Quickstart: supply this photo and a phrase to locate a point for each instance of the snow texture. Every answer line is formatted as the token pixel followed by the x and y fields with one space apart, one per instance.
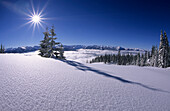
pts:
pixel 29 82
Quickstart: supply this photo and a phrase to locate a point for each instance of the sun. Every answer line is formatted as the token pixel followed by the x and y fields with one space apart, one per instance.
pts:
pixel 36 18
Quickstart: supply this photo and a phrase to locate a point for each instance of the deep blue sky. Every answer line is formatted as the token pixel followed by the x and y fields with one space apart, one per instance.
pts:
pixel 127 23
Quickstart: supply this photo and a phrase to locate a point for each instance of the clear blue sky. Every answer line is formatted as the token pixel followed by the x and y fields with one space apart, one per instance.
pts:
pixel 127 23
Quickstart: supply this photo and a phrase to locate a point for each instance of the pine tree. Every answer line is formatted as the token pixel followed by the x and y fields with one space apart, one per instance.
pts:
pixel 123 60
pixel 105 59
pixel 166 56
pixel 169 58
pixel 149 58
pixel 152 56
pixel 148 55
pixel 138 59
pixel 156 57
pixel 134 60
pixel 128 59
pixel 45 45
pixel 119 58
pixel 142 60
pixel 153 50
pixel 61 51
pixel 53 50
pixel 131 59
pixel 146 58
pixel 161 52
pixel 1 50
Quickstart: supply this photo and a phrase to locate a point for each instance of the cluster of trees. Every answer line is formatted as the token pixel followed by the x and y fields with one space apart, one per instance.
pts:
pixel 2 49
pixel 156 57
pixel 128 59
pixel 49 47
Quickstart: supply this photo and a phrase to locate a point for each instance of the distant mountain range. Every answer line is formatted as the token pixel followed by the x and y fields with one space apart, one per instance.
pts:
pixel 70 48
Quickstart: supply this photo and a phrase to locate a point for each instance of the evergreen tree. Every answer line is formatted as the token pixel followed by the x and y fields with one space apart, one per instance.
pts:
pixel 45 45
pixel 146 58
pixel 53 50
pixel 153 50
pixel 148 55
pixel 119 58
pixel 123 60
pixel 113 58
pixel 138 59
pixel 105 58
pixel 50 48
pixel 169 58
pixel 2 49
pixel 134 60
pixel 152 56
pixel 128 59
pixel 149 58
pixel 156 57
pixel 131 59
pixel 61 51
pixel 142 60
pixel 161 52
pixel 166 56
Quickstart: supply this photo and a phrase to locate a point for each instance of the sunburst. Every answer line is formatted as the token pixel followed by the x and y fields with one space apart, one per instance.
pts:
pixel 36 18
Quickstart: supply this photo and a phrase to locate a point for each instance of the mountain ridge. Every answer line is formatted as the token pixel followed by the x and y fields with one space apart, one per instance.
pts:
pixel 24 49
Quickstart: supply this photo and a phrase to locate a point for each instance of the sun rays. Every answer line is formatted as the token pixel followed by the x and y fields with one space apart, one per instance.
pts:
pixel 35 17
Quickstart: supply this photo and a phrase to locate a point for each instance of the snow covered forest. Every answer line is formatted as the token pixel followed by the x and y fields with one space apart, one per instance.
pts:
pixel 157 57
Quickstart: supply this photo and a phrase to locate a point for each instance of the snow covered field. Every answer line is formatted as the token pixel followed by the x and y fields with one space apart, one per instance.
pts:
pixel 31 83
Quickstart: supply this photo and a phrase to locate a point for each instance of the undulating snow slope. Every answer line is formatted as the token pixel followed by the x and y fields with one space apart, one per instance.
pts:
pixel 31 83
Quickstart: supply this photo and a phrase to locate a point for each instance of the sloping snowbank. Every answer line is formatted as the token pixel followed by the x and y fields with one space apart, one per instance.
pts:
pixel 31 83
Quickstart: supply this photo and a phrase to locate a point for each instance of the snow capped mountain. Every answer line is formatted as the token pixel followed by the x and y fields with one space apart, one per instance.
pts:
pixel 71 48
pixel 22 49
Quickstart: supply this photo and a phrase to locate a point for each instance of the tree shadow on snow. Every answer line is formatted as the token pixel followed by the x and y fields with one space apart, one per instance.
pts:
pixel 82 67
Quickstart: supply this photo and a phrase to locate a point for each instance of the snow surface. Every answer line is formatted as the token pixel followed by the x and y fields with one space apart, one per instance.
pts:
pixel 29 82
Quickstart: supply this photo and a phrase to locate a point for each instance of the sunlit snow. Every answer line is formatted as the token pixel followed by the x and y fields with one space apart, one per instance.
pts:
pixel 29 82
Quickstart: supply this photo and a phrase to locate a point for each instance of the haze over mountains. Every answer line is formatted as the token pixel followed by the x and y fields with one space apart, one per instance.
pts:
pixel 71 48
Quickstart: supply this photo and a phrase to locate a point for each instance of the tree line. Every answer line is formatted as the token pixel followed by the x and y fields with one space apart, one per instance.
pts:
pixel 156 57
pixel 49 47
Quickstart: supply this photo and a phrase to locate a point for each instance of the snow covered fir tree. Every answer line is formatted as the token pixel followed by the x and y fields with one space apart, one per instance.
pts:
pixel 155 58
pixel 163 51
pixel 49 47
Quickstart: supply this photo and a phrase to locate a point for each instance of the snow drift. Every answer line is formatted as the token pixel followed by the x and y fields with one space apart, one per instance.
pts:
pixel 31 83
